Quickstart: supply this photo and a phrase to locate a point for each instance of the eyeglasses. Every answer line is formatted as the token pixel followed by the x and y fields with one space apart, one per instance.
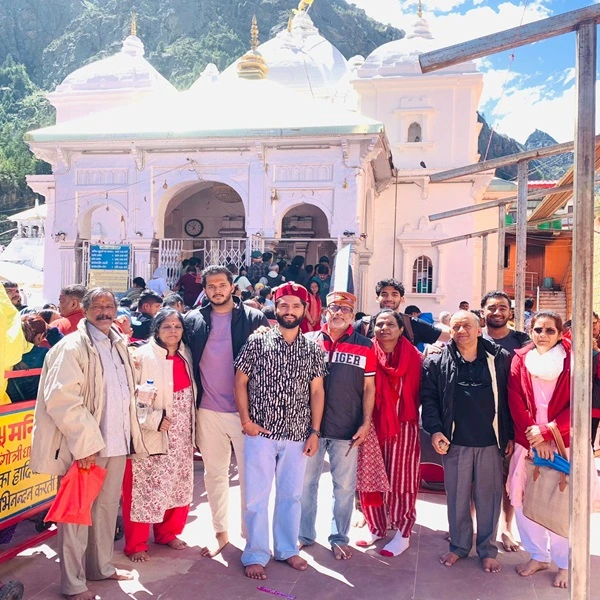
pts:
pixel 102 307
pixel 546 330
pixel 335 308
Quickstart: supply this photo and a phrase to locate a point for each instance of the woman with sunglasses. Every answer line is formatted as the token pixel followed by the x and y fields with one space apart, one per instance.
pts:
pixel 539 394
pixel 158 489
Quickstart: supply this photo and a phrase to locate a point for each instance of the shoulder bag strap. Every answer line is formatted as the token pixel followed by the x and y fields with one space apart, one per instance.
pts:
pixel 558 439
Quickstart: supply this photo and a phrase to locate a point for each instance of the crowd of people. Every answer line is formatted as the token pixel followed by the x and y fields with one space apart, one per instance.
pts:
pixel 272 363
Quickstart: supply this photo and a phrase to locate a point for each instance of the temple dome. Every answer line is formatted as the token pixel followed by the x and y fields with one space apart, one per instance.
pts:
pixel 125 71
pixel 301 59
pixel 401 57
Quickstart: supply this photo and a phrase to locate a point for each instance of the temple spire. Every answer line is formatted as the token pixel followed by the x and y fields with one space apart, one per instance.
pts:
pixel 133 24
pixel 254 34
pixel 252 65
pixel 420 10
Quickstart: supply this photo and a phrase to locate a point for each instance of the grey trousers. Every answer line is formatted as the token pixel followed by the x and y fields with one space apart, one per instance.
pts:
pixel 94 544
pixel 473 473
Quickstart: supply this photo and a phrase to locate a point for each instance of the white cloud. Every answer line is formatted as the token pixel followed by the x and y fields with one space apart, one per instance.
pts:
pixel 494 80
pixel 455 27
pixel 522 110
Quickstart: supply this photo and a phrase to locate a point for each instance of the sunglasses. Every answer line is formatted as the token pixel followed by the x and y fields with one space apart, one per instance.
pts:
pixel 546 330
pixel 334 308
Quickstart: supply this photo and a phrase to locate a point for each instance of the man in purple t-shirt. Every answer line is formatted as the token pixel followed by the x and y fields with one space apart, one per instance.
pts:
pixel 216 334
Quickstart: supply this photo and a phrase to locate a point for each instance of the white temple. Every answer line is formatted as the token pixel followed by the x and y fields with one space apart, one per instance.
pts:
pixel 292 148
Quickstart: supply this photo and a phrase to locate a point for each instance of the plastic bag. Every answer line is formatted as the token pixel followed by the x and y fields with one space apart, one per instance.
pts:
pixel 76 494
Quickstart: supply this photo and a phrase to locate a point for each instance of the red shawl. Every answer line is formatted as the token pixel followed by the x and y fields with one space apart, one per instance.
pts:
pixel 397 387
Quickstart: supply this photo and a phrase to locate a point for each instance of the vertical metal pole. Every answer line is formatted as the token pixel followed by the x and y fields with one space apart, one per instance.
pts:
pixel 501 244
pixel 521 265
pixel 484 259
pixel 581 359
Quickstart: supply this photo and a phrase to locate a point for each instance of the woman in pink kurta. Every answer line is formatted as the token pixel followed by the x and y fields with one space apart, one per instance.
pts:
pixel 538 394
pixel 158 489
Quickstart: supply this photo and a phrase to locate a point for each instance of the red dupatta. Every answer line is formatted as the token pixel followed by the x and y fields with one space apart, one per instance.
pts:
pixel 397 387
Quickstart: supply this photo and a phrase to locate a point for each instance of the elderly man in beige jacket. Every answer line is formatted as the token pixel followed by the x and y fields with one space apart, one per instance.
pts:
pixel 85 412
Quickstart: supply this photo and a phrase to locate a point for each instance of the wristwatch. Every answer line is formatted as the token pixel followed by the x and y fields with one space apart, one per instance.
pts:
pixel 316 432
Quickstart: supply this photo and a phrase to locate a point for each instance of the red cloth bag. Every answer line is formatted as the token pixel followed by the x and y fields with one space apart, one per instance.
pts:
pixel 76 494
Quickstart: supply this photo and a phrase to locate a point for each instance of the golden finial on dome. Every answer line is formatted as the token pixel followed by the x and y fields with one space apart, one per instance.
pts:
pixel 254 34
pixel 303 6
pixel 252 65
pixel 133 24
pixel 420 10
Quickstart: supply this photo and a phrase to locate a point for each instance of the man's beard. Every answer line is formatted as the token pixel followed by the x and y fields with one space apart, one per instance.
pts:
pixel 495 325
pixel 289 324
pixel 225 300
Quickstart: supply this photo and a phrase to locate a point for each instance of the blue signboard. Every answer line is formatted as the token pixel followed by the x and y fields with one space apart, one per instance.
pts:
pixel 109 258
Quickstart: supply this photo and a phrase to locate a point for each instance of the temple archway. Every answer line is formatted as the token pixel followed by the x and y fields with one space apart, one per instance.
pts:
pixel 303 231
pixel 206 220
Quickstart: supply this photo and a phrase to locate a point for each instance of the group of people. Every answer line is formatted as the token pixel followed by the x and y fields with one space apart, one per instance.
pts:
pixel 285 398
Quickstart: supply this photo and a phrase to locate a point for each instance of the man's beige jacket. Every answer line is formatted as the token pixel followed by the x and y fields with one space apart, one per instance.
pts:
pixel 70 402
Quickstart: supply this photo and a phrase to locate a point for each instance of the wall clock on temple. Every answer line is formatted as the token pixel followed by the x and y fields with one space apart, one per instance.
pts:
pixel 194 227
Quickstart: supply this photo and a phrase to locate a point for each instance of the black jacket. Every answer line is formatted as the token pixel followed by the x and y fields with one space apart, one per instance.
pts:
pixel 244 322
pixel 438 386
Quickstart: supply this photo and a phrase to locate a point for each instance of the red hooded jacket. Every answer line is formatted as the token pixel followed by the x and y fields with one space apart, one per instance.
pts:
pixel 522 405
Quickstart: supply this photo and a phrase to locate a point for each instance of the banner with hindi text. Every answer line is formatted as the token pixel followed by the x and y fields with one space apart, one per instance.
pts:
pixel 20 489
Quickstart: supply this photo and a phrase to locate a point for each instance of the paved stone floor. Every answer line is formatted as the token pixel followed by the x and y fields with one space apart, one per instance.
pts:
pixel 179 575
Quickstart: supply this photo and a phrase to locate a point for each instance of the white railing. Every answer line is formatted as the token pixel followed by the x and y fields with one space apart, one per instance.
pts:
pixel 211 251
pixel 532 280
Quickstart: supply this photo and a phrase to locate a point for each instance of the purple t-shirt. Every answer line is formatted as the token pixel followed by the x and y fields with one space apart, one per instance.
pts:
pixel 217 372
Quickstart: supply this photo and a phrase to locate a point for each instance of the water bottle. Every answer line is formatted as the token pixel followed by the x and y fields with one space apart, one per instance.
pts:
pixel 144 398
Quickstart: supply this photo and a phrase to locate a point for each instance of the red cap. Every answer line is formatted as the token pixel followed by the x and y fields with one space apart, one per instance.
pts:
pixel 291 289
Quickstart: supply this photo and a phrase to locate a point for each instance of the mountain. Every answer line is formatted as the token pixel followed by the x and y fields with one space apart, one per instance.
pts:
pixel 52 38
pixel 553 167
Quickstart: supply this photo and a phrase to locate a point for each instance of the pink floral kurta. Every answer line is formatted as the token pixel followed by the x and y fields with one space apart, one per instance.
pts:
pixel 167 480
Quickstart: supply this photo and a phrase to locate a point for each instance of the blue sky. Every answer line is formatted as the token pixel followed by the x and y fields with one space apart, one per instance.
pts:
pixel 540 84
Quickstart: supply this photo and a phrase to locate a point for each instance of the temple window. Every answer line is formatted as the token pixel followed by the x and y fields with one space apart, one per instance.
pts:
pixel 422 276
pixel 414 133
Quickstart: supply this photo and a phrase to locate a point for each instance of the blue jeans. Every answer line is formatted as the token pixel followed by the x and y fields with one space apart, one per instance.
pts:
pixel 343 473
pixel 263 460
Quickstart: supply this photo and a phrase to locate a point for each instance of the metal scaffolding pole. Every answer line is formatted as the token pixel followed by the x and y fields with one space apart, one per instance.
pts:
pixel 501 245
pixel 484 258
pixel 583 21
pixel 521 267
pixel 583 265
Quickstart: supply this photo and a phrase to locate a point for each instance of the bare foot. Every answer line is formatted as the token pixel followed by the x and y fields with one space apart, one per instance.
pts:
pixel 138 557
pixel 222 541
pixel 508 542
pixel 491 565
pixel 449 559
pixel 121 575
pixel 562 579
pixel 341 552
pixel 177 544
pixel 87 595
pixel 530 567
pixel 298 563
pixel 358 519
pixel 256 572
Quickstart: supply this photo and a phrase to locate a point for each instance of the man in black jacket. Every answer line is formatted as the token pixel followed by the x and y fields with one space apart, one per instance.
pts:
pixel 465 410
pixel 216 335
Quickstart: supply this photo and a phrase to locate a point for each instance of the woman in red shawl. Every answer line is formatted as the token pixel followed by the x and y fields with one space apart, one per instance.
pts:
pixel 392 454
